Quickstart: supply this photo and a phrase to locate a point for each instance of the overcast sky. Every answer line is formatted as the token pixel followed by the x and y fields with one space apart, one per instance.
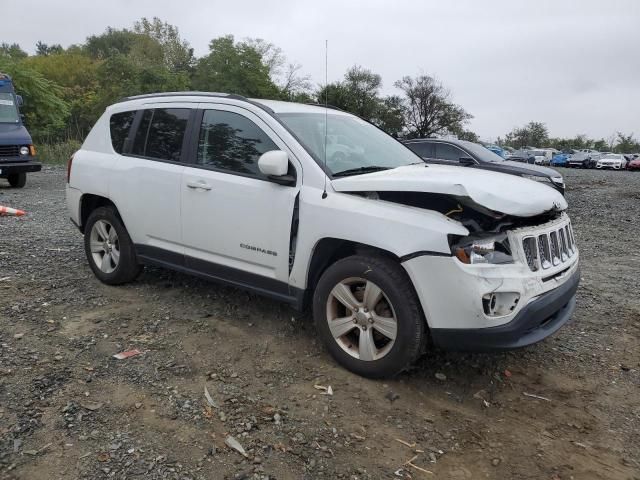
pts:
pixel 574 65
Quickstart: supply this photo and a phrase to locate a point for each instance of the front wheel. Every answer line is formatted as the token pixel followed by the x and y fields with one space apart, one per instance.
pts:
pixel 109 248
pixel 368 315
pixel 17 180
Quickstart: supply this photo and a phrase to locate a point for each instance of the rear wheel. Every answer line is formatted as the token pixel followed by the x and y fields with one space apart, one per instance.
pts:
pixel 17 180
pixel 109 248
pixel 368 316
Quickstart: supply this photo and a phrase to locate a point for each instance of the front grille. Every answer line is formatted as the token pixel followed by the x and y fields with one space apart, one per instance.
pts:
pixel 549 249
pixel 9 150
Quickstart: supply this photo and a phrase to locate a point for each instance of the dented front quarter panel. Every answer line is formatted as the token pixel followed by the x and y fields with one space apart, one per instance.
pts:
pixel 395 228
pixel 499 192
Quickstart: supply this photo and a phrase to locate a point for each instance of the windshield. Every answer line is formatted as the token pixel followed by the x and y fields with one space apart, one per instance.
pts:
pixel 482 153
pixel 352 143
pixel 612 156
pixel 8 110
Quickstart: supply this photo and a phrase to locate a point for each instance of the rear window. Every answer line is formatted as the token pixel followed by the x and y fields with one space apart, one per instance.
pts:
pixel 120 124
pixel 161 133
pixel 423 149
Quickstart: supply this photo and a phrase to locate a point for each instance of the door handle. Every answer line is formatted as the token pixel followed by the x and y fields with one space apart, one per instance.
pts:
pixel 201 185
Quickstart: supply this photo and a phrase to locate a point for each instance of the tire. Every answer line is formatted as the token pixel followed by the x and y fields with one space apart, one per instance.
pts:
pixel 360 275
pixel 104 229
pixel 17 180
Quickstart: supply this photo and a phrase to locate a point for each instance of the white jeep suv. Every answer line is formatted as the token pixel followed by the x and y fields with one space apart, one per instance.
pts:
pixel 393 255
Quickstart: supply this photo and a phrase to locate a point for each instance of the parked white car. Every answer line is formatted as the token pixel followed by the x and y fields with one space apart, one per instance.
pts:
pixel 612 160
pixel 392 254
pixel 542 157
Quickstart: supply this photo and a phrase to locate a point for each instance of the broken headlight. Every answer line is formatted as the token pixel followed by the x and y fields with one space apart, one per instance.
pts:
pixel 493 249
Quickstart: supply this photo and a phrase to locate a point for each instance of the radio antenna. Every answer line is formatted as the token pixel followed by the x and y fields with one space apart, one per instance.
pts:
pixel 326 109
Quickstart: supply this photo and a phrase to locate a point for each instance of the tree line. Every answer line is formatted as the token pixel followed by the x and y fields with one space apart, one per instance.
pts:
pixel 536 134
pixel 67 89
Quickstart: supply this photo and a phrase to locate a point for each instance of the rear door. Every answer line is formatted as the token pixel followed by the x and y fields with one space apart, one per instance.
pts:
pixel 236 224
pixel 145 184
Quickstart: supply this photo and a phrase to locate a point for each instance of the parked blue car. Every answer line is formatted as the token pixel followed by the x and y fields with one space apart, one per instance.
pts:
pixel 497 150
pixel 560 159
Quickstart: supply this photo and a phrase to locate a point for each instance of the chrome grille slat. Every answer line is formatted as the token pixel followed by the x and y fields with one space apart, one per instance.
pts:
pixel 555 248
pixel 531 252
pixel 543 251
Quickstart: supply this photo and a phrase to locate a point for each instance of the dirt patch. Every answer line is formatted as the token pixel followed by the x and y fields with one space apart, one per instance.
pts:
pixel 566 408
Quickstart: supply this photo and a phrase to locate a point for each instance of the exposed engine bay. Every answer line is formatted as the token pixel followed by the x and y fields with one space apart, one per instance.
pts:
pixel 476 218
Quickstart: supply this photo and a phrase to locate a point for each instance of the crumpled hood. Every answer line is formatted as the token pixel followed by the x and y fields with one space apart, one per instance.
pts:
pixel 496 191
pixel 14 134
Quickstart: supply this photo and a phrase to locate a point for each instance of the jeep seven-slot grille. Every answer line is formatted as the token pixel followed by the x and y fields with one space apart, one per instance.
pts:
pixel 9 151
pixel 549 249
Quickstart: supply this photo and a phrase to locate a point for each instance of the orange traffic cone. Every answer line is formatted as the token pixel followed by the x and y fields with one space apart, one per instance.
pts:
pixel 10 212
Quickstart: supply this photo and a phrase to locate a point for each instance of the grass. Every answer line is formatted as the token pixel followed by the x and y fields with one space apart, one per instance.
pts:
pixel 57 153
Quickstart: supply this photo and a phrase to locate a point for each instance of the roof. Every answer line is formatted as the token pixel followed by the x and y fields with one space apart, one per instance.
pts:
pixel 275 106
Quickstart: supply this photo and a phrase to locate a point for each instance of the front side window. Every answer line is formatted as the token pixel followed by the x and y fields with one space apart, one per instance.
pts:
pixel 8 109
pixel 161 133
pixel 232 142
pixel 444 151
pixel 120 124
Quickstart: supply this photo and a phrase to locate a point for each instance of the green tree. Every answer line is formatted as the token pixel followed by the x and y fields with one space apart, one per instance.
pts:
pixel 533 134
pixel 45 111
pixel 177 53
pixel 234 67
pixel 13 51
pixel 357 93
pixel 601 145
pixel 390 115
pixel 467 135
pixel 627 143
pixel 75 73
pixel 110 43
pixel 44 49
pixel 428 107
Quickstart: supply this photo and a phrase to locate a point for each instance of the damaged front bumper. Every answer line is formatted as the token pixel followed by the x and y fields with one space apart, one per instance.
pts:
pixel 539 319
pixel 486 307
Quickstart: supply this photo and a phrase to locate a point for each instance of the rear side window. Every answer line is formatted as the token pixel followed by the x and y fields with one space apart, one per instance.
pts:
pixel 444 151
pixel 120 124
pixel 423 149
pixel 229 141
pixel 161 133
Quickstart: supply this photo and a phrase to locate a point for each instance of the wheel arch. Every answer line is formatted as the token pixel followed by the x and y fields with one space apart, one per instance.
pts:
pixel 329 250
pixel 89 202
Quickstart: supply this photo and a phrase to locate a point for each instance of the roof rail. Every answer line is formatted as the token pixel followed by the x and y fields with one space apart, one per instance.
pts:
pixel 183 94
pixel 332 107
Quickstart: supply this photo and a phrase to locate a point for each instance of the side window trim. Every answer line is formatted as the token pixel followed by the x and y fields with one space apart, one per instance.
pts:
pixel 185 152
pixel 128 143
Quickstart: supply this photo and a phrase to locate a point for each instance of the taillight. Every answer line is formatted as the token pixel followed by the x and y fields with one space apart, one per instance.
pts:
pixel 69 167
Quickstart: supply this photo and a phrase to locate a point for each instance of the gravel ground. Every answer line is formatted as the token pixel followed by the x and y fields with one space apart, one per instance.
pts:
pixel 68 409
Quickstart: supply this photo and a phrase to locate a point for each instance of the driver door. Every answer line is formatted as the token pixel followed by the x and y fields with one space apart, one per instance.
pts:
pixel 236 223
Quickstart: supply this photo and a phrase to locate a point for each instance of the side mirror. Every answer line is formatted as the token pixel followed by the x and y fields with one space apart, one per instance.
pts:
pixel 275 165
pixel 20 101
pixel 466 161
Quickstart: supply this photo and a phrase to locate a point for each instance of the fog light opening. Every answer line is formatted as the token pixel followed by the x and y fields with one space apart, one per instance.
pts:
pixel 498 304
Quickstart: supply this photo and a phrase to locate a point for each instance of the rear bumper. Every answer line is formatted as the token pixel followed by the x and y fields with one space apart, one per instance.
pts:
pixel 539 319
pixel 9 168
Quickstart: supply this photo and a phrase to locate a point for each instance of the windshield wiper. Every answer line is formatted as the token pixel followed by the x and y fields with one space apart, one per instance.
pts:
pixel 359 170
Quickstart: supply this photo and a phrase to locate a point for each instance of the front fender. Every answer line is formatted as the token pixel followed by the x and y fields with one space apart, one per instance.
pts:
pixel 398 229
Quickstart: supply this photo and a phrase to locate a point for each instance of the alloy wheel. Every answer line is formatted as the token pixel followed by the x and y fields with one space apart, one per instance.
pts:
pixel 361 319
